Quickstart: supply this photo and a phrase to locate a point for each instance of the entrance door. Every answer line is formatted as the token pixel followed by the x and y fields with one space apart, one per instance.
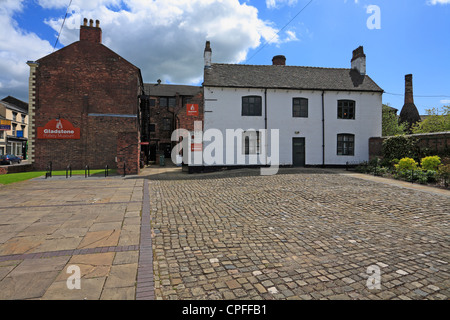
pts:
pixel 152 152
pixel 298 152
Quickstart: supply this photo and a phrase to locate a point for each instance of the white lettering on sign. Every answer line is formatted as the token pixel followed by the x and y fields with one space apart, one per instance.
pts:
pixel 58 131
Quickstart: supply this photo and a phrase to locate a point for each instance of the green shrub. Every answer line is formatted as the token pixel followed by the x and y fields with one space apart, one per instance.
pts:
pixel 406 164
pixel 380 171
pixel 444 173
pixel 430 163
pixel 431 176
pixel 363 167
pixel 398 147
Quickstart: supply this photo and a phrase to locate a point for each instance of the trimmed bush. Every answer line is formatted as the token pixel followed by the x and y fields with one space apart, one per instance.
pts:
pixel 430 163
pixel 406 164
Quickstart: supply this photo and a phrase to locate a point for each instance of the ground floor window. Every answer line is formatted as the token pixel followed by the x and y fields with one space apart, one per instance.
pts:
pixel 251 142
pixel 345 144
pixel 2 151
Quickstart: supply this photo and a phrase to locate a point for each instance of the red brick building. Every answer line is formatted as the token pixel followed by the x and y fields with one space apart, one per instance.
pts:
pixel 168 111
pixel 85 107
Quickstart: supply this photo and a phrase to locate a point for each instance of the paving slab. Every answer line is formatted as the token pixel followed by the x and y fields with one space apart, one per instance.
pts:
pixel 71 223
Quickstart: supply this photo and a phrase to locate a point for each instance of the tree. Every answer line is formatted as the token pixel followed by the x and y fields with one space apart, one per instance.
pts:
pixel 434 122
pixel 390 125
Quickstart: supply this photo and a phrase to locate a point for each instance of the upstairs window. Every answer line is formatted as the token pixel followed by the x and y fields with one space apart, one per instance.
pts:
pixel 14 116
pixel 345 144
pixel 300 108
pixel 346 109
pixel 251 106
pixel 152 127
pixel 167 102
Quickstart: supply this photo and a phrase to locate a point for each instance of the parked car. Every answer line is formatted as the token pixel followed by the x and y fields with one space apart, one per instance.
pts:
pixel 9 159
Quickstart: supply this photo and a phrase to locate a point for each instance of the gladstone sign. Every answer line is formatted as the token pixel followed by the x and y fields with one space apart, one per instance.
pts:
pixel 58 129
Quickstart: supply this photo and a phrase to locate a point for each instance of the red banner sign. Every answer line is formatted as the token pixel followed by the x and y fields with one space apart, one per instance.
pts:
pixel 58 129
pixel 196 147
pixel 192 109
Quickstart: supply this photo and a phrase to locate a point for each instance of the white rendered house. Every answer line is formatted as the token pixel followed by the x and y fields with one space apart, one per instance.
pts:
pixel 323 116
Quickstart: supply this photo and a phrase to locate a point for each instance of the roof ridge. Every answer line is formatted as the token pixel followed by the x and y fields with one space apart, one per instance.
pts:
pixel 270 65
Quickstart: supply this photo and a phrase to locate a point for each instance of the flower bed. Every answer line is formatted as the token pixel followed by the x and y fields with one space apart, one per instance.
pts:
pixel 431 170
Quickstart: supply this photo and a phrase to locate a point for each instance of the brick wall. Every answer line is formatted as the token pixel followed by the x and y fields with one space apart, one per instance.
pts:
pixel 74 83
pixel 177 116
pixel 436 143
pixel 187 122
pixel 16 168
pixel 128 150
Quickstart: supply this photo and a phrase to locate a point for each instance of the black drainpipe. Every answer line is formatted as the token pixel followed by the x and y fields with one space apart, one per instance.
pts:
pixel 265 122
pixel 323 130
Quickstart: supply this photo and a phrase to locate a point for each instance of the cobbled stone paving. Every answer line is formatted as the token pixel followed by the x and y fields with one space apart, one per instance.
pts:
pixel 297 236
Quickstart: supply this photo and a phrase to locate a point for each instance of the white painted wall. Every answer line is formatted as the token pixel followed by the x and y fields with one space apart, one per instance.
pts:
pixel 223 111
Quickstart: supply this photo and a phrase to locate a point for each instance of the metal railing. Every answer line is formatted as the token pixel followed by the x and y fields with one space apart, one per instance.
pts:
pixel 48 173
pixel 69 171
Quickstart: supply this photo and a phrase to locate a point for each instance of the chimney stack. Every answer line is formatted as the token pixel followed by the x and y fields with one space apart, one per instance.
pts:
pixel 409 113
pixel 91 33
pixel 279 60
pixel 207 55
pixel 409 97
pixel 359 60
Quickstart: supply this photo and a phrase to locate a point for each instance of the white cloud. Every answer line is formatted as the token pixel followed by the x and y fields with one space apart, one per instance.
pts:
pixel 434 2
pixel 445 101
pixel 272 4
pixel 16 48
pixel 166 38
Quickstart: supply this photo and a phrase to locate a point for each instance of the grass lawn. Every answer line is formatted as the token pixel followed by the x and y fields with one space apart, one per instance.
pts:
pixel 22 176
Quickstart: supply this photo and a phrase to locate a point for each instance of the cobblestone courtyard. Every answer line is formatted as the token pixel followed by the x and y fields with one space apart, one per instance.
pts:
pixel 308 235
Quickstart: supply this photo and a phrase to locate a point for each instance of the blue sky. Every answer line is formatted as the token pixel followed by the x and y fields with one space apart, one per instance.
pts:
pixel 165 39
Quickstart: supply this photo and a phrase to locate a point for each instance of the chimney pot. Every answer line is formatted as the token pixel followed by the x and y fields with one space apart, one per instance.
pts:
pixel 91 33
pixel 279 60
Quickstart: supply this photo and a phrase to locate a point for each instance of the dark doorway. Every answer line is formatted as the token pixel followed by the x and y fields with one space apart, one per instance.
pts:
pixel 298 152
pixel 152 156
pixel 166 148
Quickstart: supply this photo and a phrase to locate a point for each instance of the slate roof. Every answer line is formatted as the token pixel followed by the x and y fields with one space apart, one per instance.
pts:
pixel 287 77
pixel 14 106
pixel 170 90
pixel 16 102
